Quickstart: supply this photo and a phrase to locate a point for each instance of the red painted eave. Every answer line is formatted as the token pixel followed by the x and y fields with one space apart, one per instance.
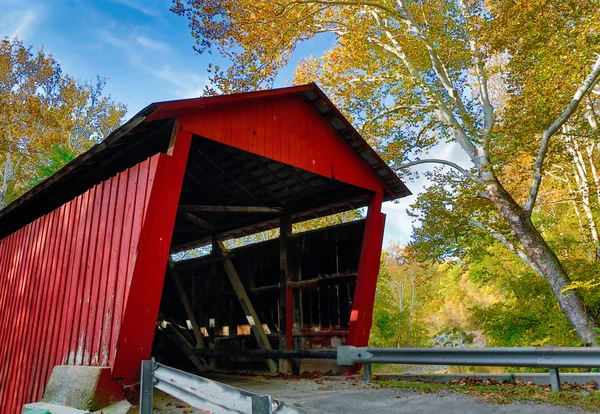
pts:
pixel 171 109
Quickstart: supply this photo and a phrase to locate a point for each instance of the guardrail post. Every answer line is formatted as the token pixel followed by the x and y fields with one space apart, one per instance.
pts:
pixel 260 404
pixel 146 387
pixel 555 379
pixel 368 373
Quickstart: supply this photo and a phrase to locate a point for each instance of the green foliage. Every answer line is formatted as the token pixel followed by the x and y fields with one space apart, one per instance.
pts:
pixel 485 299
pixel 506 392
pixel 58 157
pixel 46 117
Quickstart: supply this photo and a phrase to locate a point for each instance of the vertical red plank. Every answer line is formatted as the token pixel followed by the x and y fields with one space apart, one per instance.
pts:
pixel 138 219
pixel 39 283
pixel 125 230
pixel 79 272
pixel 361 316
pixel 32 275
pixel 89 314
pixel 72 276
pixel 52 299
pixel 29 325
pixel 7 285
pixel 117 202
pixel 6 247
pixel 139 321
pixel 267 147
pixel 287 134
pixel 18 316
pixel 92 282
pixel 35 281
pixel 113 297
pixel 96 315
pixel 133 217
pixel 45 299
pixel 276 137
pixel 56 357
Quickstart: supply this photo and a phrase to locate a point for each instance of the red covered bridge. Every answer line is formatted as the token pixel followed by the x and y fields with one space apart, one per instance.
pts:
pixel 83 255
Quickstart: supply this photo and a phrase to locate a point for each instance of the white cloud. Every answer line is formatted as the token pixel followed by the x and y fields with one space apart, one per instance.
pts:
pixel 20 23
pixel 187 85
pixel 115 41
pixel 153 45
pixel 139 6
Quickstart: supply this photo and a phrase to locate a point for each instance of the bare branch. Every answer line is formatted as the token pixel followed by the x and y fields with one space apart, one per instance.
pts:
pixel 442 112
pixel 372 4
pixel 556 125
pixel 488 110
pixel 437 65
pixel 390 111
pixel 444 162
pixel 507 243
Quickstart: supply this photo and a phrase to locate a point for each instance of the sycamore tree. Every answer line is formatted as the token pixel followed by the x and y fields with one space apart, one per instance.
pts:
pixel 502 79
pixel 46 117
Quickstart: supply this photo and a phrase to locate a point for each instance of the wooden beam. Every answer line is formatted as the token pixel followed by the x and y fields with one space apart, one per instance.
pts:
pixel 198 221
pixel 300 179
pixel 230 177
pixel 231 209
pixel 186 347
pixel 240 292
pixel 188 309
pixel 199 261
pixel 286 320
pixel 285 294
pixel 273 175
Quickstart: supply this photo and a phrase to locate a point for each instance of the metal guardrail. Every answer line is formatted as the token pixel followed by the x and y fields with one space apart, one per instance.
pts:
pixel 203 393
pixel 551 358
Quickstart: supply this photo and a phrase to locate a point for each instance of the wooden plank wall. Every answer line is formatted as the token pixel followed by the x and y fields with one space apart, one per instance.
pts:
pixel 288 130
pixel 64 280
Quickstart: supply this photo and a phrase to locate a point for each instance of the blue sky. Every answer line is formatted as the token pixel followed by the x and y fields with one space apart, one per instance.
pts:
pixel 146 53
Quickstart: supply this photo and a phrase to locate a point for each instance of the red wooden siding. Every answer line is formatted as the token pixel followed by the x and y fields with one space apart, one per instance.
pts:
pixel 361 317
pixel 146 283
pixel 63 284
pixel 286 129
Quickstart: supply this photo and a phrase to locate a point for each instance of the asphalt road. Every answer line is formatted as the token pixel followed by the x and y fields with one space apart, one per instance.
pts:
pixel 339 395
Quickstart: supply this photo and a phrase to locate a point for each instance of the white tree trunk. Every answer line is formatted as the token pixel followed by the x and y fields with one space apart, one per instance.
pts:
pixel 581 178
pixel 5 178
pixel 545 260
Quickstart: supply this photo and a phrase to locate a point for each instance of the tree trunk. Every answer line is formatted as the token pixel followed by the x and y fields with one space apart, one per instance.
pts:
pixel 546 261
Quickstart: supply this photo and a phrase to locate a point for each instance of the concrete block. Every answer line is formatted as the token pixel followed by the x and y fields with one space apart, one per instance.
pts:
pixel 321 365
pixel 42 407
pixel 122 407
pixel 83 388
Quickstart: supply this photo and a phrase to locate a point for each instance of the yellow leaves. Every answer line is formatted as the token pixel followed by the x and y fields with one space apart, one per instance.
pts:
pixel 41 108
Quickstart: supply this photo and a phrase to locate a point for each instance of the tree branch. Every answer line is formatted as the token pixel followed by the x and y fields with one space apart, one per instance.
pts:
pixel 390 111
pixel 442 112
pixel 437 65
pixel 507 243
pixel 348 3
pixel 445 162
pixel 487 108
pixel 556 125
